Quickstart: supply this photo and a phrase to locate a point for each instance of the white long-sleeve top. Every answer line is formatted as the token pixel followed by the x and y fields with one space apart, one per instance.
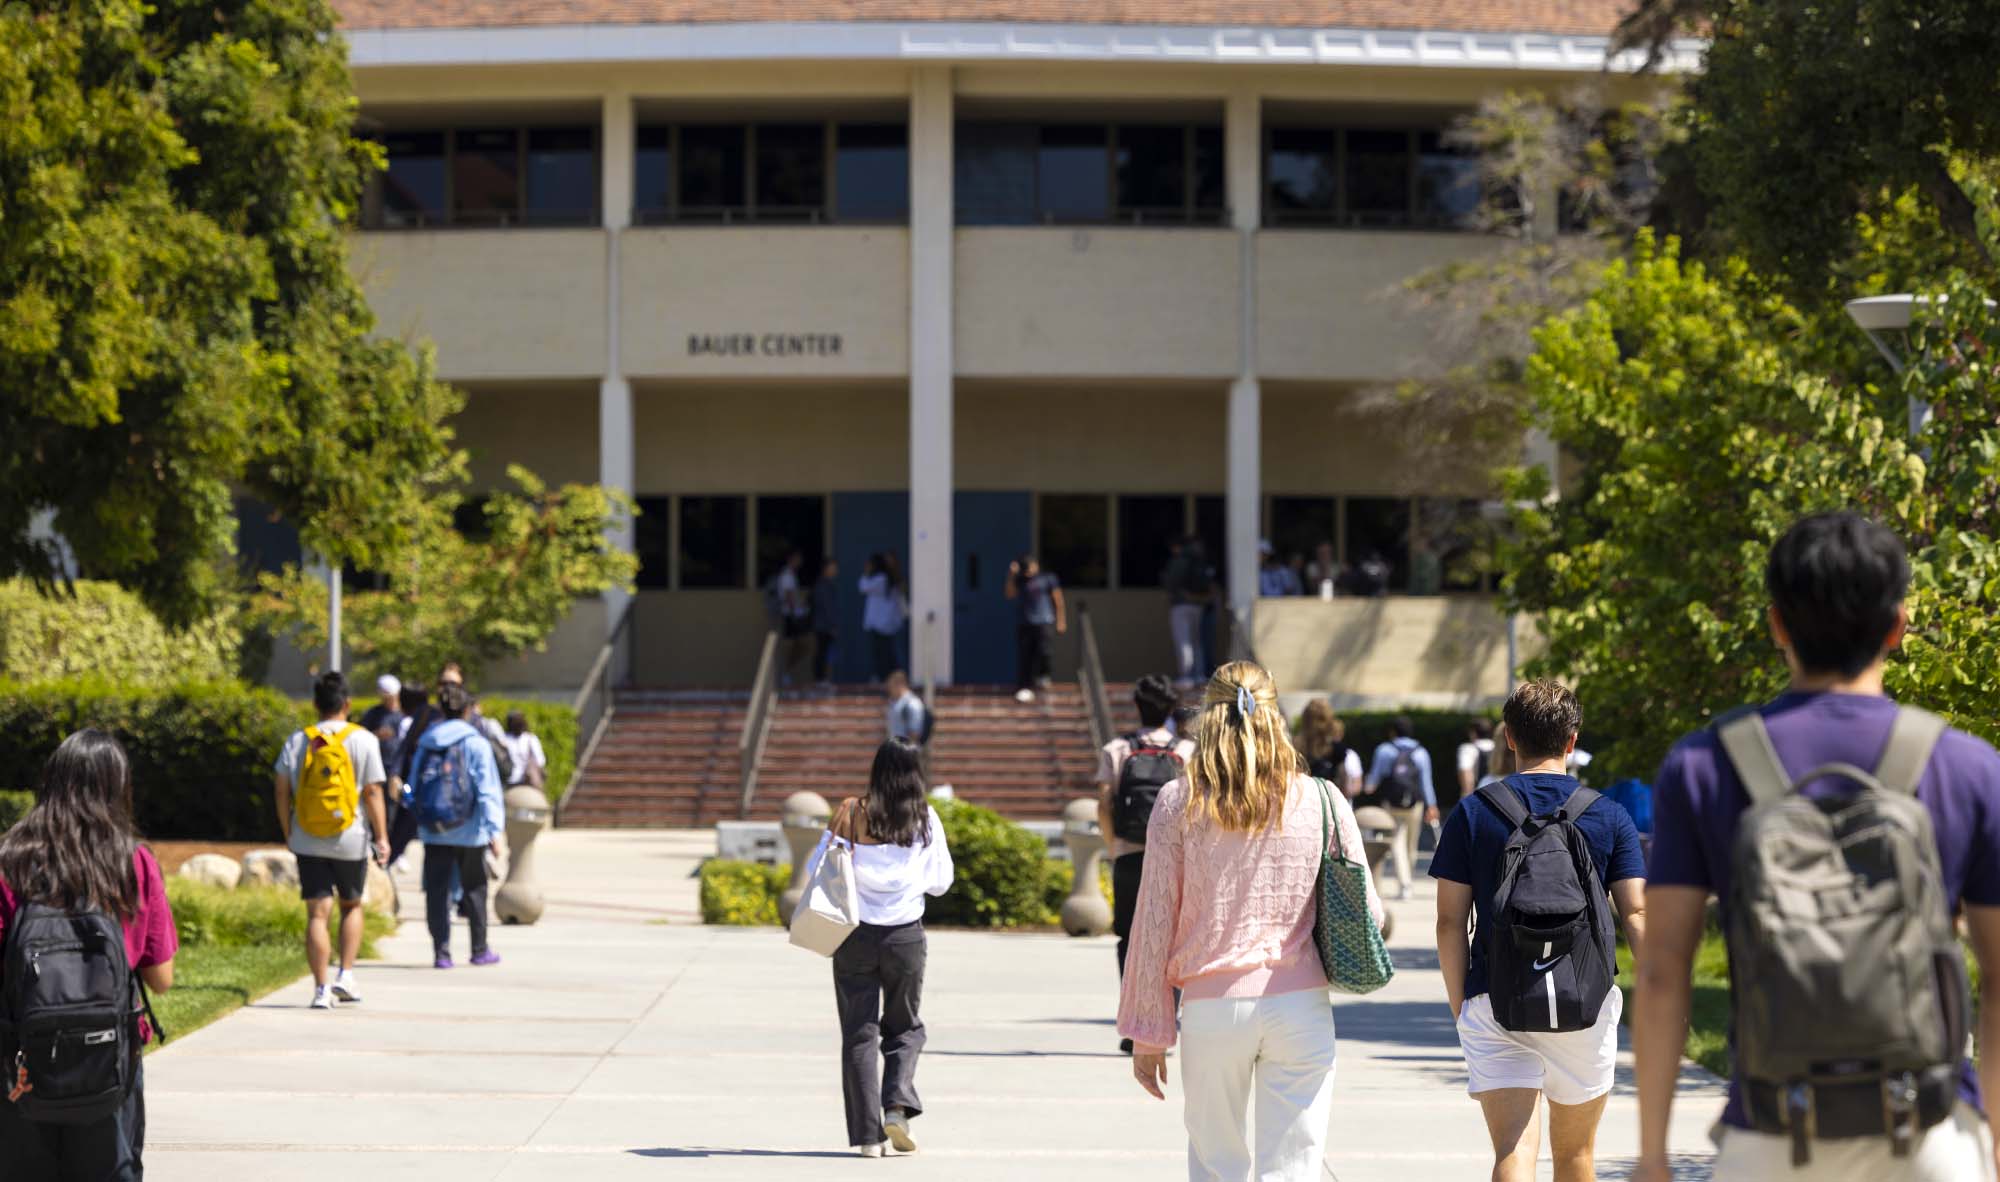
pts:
pixel 890 881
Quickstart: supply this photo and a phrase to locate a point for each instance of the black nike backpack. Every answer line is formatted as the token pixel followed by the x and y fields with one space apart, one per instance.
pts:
pixel 70 1007
pixel 1147 769
pixel 1551 956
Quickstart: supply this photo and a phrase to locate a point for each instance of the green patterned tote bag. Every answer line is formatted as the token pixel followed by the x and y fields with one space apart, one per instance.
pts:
pixel 1350 945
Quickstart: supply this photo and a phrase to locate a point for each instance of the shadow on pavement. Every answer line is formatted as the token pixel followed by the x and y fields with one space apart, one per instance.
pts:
pixel 1414 960
pixel 1408 1023
pixel 1027 1054
pixel 1682 1167
pixel 735 1153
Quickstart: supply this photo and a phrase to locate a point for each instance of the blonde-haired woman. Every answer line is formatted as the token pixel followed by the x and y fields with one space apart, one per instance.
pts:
pixel 1226 916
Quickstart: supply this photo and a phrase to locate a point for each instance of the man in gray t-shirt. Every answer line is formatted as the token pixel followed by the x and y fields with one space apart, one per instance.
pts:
pixel 336 862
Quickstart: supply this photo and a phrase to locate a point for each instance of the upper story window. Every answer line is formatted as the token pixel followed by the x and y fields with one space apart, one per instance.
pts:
pixel 801 172
pixel 487 176
pixel 1020 173
pixel 1368 177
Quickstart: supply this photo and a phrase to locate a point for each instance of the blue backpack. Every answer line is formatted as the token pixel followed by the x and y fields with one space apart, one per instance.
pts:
pixel 446 794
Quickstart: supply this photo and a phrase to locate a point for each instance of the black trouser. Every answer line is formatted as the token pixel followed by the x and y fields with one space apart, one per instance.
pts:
pixel 1033 644
pixel 1126 874
pixel 882 653
pixel 108 1150
pixel 878 982
pixel 463 866
pixel 402 831
pixel 822 654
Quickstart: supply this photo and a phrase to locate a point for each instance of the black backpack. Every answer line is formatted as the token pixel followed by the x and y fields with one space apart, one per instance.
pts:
pixel 1551 955
pixel 1482 764
pixel 69 1016
pixel 1149 768
pixel 1403 787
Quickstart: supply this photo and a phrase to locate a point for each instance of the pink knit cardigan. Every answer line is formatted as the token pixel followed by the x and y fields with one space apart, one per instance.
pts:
pixel 1225 914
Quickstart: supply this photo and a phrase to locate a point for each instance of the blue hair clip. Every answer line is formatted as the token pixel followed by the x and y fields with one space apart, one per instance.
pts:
pixel 1246 705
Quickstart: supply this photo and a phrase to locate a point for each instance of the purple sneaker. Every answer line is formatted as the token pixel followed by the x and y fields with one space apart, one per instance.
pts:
pixel 485 956
pixel 443 960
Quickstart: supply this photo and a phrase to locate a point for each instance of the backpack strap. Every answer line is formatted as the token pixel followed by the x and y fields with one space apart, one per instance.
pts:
pixel 1748 745
pixel 1501 799
pixel 1912 738
pixel 1579 802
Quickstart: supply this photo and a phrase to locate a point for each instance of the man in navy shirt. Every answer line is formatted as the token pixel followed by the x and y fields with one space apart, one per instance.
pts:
pixel 1837 582
pixel 1510 1071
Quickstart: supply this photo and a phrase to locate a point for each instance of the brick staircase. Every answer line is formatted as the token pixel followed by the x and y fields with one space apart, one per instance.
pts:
pixel 670 759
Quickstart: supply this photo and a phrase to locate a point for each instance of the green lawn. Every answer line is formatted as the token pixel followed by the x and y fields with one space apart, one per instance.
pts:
pixel 1708 1019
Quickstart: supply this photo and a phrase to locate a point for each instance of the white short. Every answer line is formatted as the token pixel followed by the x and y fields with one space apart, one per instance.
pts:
pixel 1570 1068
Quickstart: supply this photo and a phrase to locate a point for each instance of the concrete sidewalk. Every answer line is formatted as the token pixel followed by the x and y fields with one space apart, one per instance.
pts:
pixel 621 1039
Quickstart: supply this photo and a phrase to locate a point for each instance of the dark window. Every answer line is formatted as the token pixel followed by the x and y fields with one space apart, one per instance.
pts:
pixel 1211 525
pixel 1075 539
pixel 653 174
pixel 265 542
pixel 413 189
pixel 1211 193
pixel 1300 525
pixel 469 519
pixel 1378 178
pixel 486 177
pixel 1448 182
pixel 994 174
pixel 791 172
pixel 562 176
pixel 712 182
pixel 1152 173
pixel 785 524
pixel 1303 175
pixel 1073 174
pixel 712 541
pixel 1148 526
pixel 1379 528
pixel 1460 536
pixel 872 172
pixel 651 540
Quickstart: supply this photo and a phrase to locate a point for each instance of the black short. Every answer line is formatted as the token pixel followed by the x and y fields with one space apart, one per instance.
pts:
pixel 319 878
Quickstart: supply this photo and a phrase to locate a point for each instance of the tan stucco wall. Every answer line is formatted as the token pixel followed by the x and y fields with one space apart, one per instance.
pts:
pixel 697 638
pixel 756 281
pixel 549 427
pixel 1325 438
pixel 498 303
pixel 1438 650
pixel 1057 437
pixel 1096 302
pixel 723 438
pixel 566 660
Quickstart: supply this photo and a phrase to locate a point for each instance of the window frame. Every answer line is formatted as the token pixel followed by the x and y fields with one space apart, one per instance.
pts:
pixel 373 214
pixel 1414 219
pixel 1193 214
pixel 827 212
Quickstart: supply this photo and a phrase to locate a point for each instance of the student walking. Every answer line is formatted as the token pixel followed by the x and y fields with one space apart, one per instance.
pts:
pixel 327 782
pixel 1399 780
pixel 825 622
pixel 1475 758
pixel 907 716
pixel 1256 1013
pixel 1131 771
pixel 900 857
pixel 1535 861
pixel 1851 1064
pixel 1323 743
pixel 75 861
pixel 1040 617
pixel 1190 588
pixel 524 751
pixel 883 611
pixel 457 798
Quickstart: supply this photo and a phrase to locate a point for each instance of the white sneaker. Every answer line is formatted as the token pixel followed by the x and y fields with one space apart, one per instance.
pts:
pixel 896 1123
pixel 870 1151
pixel 345 988
pixel 1026 695
pixel 323 998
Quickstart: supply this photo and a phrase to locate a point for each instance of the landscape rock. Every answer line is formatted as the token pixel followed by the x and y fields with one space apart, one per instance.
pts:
pixel 278 868
pixel 214 869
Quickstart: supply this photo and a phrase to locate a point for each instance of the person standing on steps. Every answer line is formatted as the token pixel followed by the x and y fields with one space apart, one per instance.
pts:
pixel 456 796
pixel 1226 912
pixel 1190 588
pixel 327 783
pixel 883 610
pixel 825 597
pixel 1040 618
pixel 1131 770
pixel 1399 780
pixel 900 858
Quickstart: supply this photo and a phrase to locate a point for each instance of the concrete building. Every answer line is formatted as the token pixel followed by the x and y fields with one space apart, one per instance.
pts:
pixel 956 279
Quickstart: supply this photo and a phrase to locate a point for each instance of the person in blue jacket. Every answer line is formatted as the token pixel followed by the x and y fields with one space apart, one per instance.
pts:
pixel 455 858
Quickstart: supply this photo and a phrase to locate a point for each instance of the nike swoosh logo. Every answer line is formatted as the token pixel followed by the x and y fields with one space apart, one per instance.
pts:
pixel 1543 966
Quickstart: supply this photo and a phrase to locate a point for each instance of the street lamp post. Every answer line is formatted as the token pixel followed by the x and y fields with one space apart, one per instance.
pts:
pixel 1886 322
pixel 333 617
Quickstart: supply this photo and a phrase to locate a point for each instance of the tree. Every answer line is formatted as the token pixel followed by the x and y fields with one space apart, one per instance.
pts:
pixel 1809 112
pixel 177 320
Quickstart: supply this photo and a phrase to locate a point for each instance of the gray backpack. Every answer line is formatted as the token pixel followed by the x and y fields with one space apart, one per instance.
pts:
pixel 1848 987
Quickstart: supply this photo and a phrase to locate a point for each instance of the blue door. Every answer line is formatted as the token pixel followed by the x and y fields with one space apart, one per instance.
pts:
pixel 989 530
pixel 865 523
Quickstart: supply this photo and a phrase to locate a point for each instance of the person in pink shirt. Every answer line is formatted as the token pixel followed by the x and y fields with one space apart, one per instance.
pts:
pixel 1226 909
pixel 77 851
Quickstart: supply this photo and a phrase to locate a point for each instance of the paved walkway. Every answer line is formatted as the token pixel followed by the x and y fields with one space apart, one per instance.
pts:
pixel 620 1039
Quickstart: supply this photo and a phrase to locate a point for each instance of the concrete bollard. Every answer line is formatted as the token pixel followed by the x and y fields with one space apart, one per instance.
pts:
pixel 805 818
pixel 519 899
pixel 1084 913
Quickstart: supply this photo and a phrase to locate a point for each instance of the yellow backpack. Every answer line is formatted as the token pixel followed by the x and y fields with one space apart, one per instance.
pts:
pixel 327 796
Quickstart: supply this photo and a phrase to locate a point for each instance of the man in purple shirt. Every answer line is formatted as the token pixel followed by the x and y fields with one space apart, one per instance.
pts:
pixel 1837 582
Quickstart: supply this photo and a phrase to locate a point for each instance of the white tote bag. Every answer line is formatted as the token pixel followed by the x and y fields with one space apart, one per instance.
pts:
pixel 829 911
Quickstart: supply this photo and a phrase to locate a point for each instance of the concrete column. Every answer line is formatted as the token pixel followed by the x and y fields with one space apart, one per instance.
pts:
pixel 614 393
pixel 1244 147
pixel 931 244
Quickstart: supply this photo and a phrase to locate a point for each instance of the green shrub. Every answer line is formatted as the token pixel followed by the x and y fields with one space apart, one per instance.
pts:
pixel 1439 731
pixel 215 917
pixel 741 894
pixel 1002 873
pixel 201 753
pixel 14 806
pixel 555 724
pixel 102 630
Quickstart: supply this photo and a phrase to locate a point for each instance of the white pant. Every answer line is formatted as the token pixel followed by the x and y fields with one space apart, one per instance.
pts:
pixel 1959 1150
pixel 1284 1046
pixel 1185 620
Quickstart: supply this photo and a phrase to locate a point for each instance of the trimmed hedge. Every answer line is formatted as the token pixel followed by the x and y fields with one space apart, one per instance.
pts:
pixel 1440 732
pixel 555 724
pixel 103 630
pixel 1003 876
pixel 741 894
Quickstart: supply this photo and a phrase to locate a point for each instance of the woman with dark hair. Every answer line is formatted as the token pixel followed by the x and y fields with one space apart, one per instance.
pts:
pixel 878 974
pixel 76 851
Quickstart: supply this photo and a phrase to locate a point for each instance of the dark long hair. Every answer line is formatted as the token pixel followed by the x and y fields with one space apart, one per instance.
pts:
pixel 74 848
pixel 897 807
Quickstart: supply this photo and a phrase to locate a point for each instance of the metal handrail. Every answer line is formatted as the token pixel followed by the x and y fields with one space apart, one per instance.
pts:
pixel 1090 676
pixel 595 704
pixel 757 723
